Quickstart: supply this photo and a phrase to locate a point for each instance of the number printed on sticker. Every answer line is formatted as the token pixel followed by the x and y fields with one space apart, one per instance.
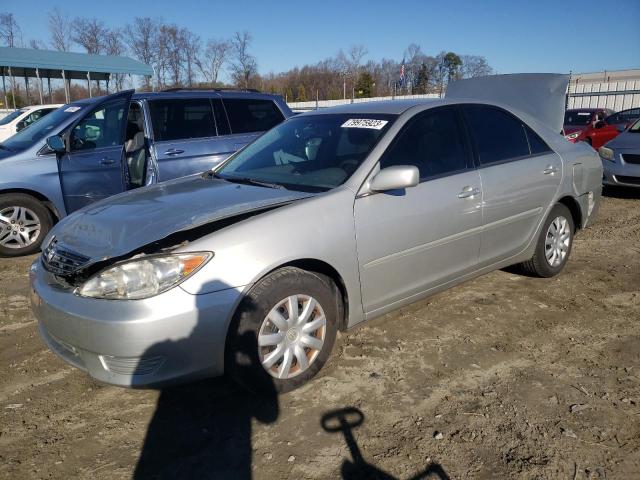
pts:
pixel 365 123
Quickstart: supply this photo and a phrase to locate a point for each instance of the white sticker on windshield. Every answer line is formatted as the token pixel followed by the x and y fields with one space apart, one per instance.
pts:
pixel 364 123
pixel 71 109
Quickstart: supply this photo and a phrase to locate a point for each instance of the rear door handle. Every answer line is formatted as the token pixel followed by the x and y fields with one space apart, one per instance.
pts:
pixel 550 170
pixel 469 192
pixel 174 151
pixel 107 161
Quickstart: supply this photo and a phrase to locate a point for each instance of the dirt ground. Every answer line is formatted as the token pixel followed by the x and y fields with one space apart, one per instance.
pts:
pixel 502 377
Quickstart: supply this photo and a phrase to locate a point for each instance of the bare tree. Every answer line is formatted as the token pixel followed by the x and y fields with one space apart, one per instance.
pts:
pixel 114 45
pixel 215 56
pixel 191 45
pixel 60 31
pixel 171 53
pixel 37 44
pixel 89 34
pixel 475 66
pixel 10 33
pixel 244 66
pixel 356 54
pixel 142 39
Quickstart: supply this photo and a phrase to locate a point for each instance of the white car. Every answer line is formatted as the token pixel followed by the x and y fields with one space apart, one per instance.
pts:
pixel 22 118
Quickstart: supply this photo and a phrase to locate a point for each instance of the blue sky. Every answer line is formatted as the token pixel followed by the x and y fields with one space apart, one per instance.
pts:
pixel 514 36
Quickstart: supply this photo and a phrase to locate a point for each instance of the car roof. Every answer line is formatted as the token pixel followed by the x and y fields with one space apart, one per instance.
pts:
pixel 395 107
pixel 205 93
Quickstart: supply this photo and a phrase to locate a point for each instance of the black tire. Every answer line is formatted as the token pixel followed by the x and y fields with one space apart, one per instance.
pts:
pixel 242 355
pixel 43 215
pixel 538 265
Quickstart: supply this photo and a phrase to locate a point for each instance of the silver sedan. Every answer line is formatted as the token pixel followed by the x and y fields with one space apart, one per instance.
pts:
pixel 330 219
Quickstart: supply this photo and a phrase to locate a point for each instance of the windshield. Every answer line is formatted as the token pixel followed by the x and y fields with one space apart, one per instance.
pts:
pixel 309 153
pixel 12 116
pixel 40 129
pixel 577 118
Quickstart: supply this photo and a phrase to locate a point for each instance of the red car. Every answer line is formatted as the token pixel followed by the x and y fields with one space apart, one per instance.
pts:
pixel 578 119
pixel 601 132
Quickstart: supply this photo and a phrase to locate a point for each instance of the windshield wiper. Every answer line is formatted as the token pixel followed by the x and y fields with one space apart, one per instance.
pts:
pixel 249 181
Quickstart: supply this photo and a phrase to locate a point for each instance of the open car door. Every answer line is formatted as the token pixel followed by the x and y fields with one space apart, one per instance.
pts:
pixel 540 95
pixel 92 167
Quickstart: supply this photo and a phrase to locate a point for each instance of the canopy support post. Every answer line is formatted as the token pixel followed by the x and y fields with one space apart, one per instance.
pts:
pixel 89 83
pixel 4 90
pixel 66 87
pixel 49 85
pixel 13 88
pixel 39 85
pixel 26 87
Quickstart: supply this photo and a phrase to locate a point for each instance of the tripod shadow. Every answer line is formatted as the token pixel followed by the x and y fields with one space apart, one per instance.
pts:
pixel 347 419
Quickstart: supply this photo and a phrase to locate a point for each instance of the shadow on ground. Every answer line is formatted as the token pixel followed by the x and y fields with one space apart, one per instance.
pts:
pixel 345 421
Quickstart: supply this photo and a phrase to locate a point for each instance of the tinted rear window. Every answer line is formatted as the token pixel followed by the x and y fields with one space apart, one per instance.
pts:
pixel 248 115
pixel 577 118
pixel 178 119
pixel 498 135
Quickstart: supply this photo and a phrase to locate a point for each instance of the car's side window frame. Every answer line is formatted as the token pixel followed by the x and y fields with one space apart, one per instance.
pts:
pixel 461 129
pixel 523 125
pixel 102 106
pixel 149 107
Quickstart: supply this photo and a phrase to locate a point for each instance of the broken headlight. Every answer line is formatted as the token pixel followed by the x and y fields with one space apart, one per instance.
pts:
pixel 143 277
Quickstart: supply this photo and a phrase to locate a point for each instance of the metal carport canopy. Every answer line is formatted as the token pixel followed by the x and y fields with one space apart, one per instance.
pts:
pixel 49 63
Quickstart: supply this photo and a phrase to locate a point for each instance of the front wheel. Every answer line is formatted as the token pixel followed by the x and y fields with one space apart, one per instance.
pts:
pixel 24 222
pixel 283 331
pixel 554 244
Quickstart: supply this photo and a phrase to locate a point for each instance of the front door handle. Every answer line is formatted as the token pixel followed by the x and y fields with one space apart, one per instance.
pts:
pixel 107 161
pixel 469 192
pixel 550 170
pixel 173 151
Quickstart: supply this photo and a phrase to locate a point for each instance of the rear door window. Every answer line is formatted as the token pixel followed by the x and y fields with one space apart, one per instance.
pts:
pixel 498 135
pixel 180 119
pixel 536 144
pixel 250 115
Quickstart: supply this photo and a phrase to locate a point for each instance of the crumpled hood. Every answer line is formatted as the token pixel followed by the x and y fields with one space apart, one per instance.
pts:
pixel 123 223
pixel 626 140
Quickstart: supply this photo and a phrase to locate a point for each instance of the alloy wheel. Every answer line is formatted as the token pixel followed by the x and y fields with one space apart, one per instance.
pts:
pixel 19 227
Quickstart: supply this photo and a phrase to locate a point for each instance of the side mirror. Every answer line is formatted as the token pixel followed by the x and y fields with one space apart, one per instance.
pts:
pixel 395 178
pixel 21 125
pixel 56 144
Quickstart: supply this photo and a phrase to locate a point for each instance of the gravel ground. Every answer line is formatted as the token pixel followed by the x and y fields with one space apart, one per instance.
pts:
pixel 505 376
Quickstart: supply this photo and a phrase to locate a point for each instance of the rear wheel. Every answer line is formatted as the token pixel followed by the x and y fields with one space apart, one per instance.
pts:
pixel 554 244
pixel 283 331
pixel 24 222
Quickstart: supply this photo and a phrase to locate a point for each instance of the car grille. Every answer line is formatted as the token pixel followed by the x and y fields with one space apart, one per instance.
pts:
pixel 62 262
pixel 629 180
pixel 631 158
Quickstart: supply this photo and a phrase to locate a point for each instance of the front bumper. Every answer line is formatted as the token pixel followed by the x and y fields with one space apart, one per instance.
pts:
pixel 172 337
pixel 620 173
